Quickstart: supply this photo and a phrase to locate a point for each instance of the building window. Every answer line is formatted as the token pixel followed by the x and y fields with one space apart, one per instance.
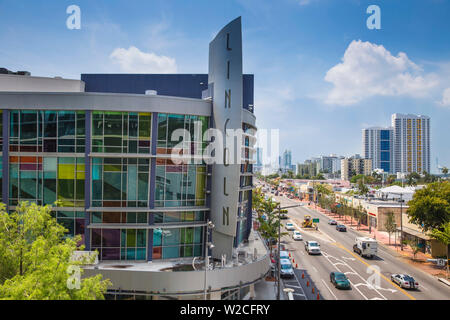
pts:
pixel 47 131
pixel 73 221
pixel 120 244
pixel 119 217
pixel 121 132
pixel 120 182
pixel 168 123
pixel 177 243
pixel 179 185
pixel 177 217
pixel 46 179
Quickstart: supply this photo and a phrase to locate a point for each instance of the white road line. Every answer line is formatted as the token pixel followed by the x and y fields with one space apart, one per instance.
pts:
pixel 290 285
pixel 299 294
pixel 326 257
pixel 365 281
pixel 315 269
pixel 329 290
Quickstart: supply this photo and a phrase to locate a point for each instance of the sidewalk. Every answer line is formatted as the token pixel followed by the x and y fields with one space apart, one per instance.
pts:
pixel 382 237
pixel 267 290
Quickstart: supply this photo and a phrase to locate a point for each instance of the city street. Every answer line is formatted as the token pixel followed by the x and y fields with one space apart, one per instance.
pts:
pixel 369 278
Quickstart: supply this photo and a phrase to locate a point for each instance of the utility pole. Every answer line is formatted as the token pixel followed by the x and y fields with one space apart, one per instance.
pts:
pixel 401 221
pixel 279 246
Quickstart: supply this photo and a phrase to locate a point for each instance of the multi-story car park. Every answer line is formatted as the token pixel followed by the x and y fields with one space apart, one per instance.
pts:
pixel 103 149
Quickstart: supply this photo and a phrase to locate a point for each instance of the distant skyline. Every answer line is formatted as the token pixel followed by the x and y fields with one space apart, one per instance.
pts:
pixel 320 74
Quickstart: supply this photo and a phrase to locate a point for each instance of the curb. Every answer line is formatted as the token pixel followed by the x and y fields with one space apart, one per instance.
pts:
pixel 444 281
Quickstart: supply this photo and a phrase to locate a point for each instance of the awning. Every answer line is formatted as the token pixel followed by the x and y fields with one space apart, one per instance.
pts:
pixel 415 233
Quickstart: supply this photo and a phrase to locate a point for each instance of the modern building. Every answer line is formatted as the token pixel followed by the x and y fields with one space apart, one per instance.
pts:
pixel 105 150
pixel 411 143
pixel 355 165
pixel 285 161
pixel 378 146
pixel 258 166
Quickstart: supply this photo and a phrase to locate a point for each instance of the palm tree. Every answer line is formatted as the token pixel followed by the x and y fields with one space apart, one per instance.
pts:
pixel 443 236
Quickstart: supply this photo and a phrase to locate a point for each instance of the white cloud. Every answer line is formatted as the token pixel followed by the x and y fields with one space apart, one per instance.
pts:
pixel 133 60
pixel 445 98
pixel 370 70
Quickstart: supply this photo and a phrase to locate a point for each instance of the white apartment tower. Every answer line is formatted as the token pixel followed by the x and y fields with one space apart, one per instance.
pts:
pixel 411 143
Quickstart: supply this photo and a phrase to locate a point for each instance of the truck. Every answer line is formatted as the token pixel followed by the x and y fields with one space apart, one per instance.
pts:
pixel 365 247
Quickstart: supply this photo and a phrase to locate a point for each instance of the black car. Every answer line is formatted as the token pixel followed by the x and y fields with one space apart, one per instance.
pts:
pixel 341 228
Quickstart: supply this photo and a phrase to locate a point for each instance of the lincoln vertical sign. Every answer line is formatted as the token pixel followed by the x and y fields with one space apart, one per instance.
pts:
pixel 225 79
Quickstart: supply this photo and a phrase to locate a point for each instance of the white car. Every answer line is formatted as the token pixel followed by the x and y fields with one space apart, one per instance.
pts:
pixel 286 269
pixel 312 247
pixel 297 236
pixel 405 281
pixel 290 226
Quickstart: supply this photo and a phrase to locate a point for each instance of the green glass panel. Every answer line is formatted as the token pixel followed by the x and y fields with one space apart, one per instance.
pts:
pixel 131 217
pixel 141 238
pixel 96 217
pixel 131 238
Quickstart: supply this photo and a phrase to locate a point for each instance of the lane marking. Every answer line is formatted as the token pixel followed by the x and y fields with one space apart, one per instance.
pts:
pixel 329 289
pixel 380 274
pixel 326 257
pixel 315 269
pixel 363 279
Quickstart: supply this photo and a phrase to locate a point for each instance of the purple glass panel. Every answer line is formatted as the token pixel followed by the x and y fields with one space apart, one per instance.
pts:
pixel 111 238
pixel 111 254
pixel 96 237
pixel 145 143
pixel 28 166
pixel 50 145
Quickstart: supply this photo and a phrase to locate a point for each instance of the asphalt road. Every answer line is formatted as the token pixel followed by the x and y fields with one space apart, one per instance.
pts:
pixel 370 278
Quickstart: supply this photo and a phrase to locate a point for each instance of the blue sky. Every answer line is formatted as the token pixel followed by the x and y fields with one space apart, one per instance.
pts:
pixel 320 74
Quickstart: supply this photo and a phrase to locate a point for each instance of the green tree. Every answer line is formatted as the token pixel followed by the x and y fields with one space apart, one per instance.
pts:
pixel 445 170
pixel 430 206
pixel 390 225
pixel 35 256
pixel 443 235
pixel 414 245
pixel 363 189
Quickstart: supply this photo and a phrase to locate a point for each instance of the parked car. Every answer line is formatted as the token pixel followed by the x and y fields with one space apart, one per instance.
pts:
pixel 332 222
pixel 297 236
pixel 290 226
pixel 286 269
pixel 405 281
pixel 341 228
pixel 284 255
pixel 339 280
pixel 312 247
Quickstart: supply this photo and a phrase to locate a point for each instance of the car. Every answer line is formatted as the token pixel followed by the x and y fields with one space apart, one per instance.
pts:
pixel 339 280
pixel 297 236
pixel 284 255
pixel 341 228
pixel 284 216
pixel 312 247
pixel 290 226
pixel 332 222
pixel 405 281
pixel 286 269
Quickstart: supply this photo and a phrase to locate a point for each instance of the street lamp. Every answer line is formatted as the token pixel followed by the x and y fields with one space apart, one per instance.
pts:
pixel 208 245
pixel 279 240
pixel 401 219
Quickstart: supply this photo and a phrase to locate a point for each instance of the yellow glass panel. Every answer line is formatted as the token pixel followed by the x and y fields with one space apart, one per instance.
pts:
pixel 66 171
pixel 200 185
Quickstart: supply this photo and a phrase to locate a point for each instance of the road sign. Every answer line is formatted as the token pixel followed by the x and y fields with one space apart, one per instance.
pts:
pixel 316 220
pixel 440 262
